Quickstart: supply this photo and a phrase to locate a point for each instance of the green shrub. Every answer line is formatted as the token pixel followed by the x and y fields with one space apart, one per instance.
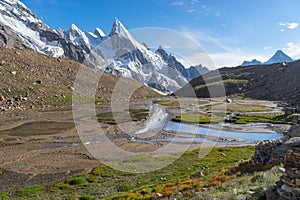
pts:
pixel 91 178
pixel 123 188
pixel 62 186
pixel 4 196
pixel 88 197
pixel 96 170
pixel 1 171
pixel 258 178
pixel 76 181
pixel 32 191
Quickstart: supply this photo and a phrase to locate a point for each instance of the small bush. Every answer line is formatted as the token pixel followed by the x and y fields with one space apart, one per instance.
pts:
pixel 91 179
pixel 32 191
pixel 76 181
pixel 88 197
pixel 258 178
pixel 1 171
pixel 4 196
pixel 97 170
pixel 123 188
pixel 62 186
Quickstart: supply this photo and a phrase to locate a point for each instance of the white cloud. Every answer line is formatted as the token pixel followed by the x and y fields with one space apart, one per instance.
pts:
pixel 293 25
pixel 289 25
pixel 292 50
pixel 177 3
pixel 267 47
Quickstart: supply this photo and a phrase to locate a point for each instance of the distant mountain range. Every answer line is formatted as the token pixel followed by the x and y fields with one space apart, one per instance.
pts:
pixel 278 57
pixel 123 55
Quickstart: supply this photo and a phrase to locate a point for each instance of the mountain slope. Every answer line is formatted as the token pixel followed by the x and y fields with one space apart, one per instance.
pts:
pixel 271 82
pixel 31 79
pixel 23 26
pixel 27 26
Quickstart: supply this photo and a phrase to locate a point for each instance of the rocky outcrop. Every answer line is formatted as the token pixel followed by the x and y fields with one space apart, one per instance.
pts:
pixel 269 153
pixel 9 39
pixel 290 181
pixel 288 187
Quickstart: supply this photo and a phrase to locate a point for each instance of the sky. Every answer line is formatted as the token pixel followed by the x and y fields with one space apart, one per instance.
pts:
pixel 230 31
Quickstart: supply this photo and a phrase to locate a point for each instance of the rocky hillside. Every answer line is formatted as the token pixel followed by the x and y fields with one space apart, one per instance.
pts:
pixel 271 82
pixel 29 79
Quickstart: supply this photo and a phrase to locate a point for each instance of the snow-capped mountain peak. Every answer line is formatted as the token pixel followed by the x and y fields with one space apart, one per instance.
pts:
pixel 28 28
pixel 98 32
pixel 119 29
pixel 77 36
pixel 17 10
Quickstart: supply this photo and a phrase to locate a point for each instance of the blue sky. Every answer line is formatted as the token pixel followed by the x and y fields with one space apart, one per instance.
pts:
pixel 230 31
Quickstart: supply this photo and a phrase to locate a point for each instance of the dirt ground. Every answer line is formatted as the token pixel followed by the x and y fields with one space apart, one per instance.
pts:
pixel 42 147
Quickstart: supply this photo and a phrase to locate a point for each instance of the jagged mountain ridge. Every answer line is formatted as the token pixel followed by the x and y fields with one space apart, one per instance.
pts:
pixel 278 57
pixel 189 73
pixel 125 56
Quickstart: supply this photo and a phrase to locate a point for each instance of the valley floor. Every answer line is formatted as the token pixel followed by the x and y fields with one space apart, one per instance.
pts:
pixel 42 147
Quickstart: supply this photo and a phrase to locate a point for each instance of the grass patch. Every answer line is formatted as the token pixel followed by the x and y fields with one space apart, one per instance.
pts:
pixel 88 197
pixel 1 171
pixel 180 102
pixel 238 108
pixel 76 181
pixel 263 118
pixel 123 185
pixel 226 83
pixel 198 118
pixel 32 191
pixel 4 196
pixel 61 186
pixel 274 118
pixel 122 117
pixel 168 102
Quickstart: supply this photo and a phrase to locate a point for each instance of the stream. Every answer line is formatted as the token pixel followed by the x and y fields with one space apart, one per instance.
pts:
pixel 160 120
